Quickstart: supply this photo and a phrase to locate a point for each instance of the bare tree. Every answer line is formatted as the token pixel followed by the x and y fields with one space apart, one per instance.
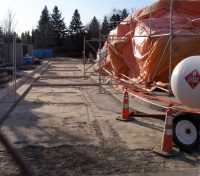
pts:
pixel 9 23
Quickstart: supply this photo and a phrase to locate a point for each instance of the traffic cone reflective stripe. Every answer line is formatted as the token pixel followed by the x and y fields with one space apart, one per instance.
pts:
pixel 125 106
pixel 166 148
pixel 168 132
pixel 167 140
pixel 125 110
pixel 125 116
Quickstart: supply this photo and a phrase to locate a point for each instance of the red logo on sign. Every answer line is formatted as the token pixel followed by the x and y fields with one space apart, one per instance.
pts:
pixel 193 79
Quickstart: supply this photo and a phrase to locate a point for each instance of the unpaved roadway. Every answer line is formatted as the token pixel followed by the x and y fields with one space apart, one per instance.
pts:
pixel 62 129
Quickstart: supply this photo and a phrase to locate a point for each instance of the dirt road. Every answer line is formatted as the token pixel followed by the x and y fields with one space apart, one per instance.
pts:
pixel 63 128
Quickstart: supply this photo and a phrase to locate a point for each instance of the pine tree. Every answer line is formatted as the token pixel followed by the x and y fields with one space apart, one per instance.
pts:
pixel 93 28
pixel 124 14
pixel 44 36
pixel 105 27
pixel 26 38
pixel 23 37
pixel 58 26
pixel 76 35
pixel 1 31
pixel 114 20
pixel 33 36
pixel 76 27
pixel 37 39
pixel 44 22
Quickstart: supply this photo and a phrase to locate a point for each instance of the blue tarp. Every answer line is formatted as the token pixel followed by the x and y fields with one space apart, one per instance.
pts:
pixel 43 53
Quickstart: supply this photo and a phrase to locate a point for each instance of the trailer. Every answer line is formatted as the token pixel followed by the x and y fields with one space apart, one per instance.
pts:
pixel 186 120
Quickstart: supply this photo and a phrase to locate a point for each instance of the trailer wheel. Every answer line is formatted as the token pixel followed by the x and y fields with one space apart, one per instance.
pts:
pixel 185 132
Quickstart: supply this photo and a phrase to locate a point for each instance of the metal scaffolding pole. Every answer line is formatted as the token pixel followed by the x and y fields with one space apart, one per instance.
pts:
pixel 150 21
pixel 99 64
pixel 13 69
pixel 171 45
pixel 84 60
pixel 15 65
pixel 12 43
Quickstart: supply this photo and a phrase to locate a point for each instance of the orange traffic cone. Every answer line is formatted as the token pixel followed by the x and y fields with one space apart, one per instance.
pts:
pixel 166 148
pixel 125 109
pixel 167 140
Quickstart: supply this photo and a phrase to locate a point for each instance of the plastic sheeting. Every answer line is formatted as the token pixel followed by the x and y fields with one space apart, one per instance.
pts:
pixel 136 46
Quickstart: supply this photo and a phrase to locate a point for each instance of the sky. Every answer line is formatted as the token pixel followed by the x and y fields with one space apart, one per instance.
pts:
pixel 27 12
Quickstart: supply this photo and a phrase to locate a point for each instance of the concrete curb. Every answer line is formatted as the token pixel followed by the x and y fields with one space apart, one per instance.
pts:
pixel 22 88
pixel 20 82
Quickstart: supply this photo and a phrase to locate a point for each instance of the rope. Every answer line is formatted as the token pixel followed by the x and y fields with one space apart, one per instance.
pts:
pixel 146 98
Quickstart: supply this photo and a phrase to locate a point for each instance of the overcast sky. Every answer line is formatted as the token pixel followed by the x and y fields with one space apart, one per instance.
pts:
pixel 27 12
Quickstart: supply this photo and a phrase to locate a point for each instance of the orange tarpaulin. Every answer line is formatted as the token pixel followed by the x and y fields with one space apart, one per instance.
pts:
pixel 136 46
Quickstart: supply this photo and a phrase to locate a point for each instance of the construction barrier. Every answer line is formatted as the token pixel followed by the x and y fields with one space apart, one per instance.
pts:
pixel 125 116
pixel 167 140
pixel 166 147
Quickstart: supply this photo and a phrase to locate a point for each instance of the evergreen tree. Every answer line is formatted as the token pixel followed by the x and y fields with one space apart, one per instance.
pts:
pixel 33 36
pixel 76 27
pixel 23 37
pixel 44 36
pixel 105 27
pixel 114 20
pixel 58 26
pixel 26 38
pixel 1 31
pixel 76 35
pixel 44 22
pixel 93 28
pixel 117 17
pixel 37 40
pixel 124 14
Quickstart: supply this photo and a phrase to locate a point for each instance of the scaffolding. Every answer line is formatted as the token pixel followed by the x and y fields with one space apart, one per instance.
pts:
pixel 97 52
pixel 169 44
pixel 11 67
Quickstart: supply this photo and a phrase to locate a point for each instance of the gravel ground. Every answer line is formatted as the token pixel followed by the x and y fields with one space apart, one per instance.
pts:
pixel 72 131
pixel 88 160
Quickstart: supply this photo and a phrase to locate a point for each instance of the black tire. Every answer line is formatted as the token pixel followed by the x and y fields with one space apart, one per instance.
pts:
pixel 186 132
